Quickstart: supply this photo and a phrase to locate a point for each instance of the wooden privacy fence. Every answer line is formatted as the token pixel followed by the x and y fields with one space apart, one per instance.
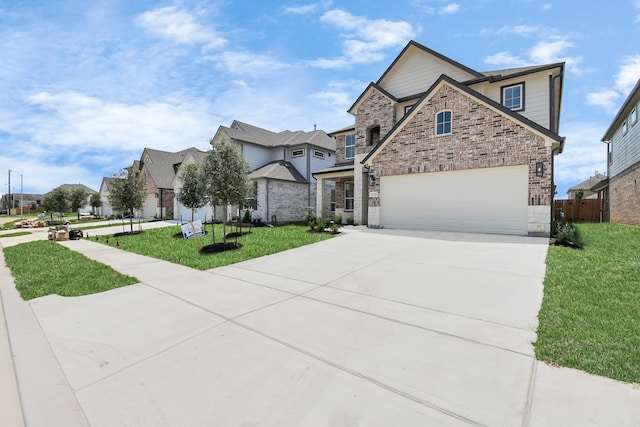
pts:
pixel 580 210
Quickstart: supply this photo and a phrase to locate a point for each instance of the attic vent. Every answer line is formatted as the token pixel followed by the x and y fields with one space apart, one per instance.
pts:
pixel 147 159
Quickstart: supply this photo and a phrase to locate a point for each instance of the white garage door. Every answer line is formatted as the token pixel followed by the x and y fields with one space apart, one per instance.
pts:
pixel 491 200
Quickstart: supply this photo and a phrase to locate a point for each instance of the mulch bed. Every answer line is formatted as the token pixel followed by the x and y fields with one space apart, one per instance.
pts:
pixel 220 247
pixel 127 233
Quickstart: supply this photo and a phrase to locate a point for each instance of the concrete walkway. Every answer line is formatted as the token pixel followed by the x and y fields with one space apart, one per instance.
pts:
pixel 369 328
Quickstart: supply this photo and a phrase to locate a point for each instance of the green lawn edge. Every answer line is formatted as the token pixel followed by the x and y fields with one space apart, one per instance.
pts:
pixel 160 243
pixel 45 267
pixel 590 314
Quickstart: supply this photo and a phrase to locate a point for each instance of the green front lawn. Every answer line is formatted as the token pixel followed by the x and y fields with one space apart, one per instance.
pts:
pixel 160 243
pixel 45 267
pixel 590 315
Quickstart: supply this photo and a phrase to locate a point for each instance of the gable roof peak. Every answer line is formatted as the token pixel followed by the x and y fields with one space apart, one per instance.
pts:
pixel 415 44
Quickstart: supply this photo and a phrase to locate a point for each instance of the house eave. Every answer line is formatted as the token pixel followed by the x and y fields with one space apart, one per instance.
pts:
pixel 551 138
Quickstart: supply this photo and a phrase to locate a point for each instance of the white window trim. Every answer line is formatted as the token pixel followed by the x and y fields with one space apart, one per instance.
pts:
pixel 297 152
pixel 354 147
pixel 450 122
pixel 350 198
pixel 504 88
pixel 319 154
pixel 633 117
pixel 625 128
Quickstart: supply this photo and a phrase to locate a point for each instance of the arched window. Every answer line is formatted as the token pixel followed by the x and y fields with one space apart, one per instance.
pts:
pixel 443 123
pixel 373 136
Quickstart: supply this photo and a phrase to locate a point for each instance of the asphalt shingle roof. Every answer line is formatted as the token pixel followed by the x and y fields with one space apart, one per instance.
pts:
pixel 162 165
pixel 249 133
pixel 280 170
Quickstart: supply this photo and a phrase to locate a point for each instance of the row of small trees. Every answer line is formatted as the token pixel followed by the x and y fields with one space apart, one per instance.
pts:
pixel 61 200
pixel 221 180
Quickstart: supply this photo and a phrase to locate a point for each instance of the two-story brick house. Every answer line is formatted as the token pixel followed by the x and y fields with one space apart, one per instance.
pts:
pixel 623 148
pixel 282 164
pixel 437 145
pixel 158 170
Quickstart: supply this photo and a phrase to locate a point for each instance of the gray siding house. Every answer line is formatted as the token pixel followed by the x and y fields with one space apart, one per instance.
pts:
pixel 282 166
pixel 623 164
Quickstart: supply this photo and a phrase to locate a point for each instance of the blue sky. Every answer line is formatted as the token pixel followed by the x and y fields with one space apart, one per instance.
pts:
pixel 86 85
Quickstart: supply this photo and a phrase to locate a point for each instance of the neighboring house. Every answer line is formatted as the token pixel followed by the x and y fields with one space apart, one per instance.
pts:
pixel 35 200
pixel 589 187
pixel 623 152
pixel 88 191
pixel 282 166
pixel 181 212
pixel 158 169
pixel 437 145
pixel 106 209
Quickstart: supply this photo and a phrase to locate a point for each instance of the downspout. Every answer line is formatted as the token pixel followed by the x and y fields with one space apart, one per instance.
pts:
pixel 161 203
pixel 552 108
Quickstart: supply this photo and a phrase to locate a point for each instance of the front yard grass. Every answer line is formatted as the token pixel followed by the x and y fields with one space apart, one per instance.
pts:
pixel 160 243
pixel 45 267
pixel 590 315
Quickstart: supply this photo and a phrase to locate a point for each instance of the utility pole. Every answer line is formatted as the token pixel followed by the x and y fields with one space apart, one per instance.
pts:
pixel 9 201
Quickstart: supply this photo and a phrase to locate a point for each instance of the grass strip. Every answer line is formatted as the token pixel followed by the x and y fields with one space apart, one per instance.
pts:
pixel 160 243
pixel 590 315
pixel 45 267
pixel 16 234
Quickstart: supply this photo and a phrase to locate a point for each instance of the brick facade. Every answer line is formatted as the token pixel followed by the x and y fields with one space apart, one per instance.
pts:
pixel 376 110
pixel 481 138
pixel 624 196
pixel 287 201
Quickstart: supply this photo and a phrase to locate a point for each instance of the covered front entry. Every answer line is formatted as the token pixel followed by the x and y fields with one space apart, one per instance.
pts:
pixel 489 200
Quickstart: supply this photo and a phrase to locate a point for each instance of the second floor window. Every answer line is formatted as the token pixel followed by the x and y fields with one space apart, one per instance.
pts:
pixel 350 146
pixel 299 152
pixel 443 123
pixel 513 97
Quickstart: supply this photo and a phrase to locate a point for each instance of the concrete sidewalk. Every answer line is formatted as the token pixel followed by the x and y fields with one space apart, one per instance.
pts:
pixel 370 328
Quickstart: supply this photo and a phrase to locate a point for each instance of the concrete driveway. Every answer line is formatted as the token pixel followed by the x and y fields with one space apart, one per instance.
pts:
pixel 369 328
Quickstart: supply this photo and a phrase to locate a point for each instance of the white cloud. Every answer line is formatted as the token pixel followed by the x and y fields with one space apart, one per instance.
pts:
pixel 308 8
pixel 504 59
pixel 605 98
pixel 73 124
pixel 242 63
pixel 329 63
pixel 624 81
pixel 546 6
pixel 449 9
pixel 179 26
pixel 365 39
pixel 543 52
pixel 549 51
pixel 629 74
pixel 583 154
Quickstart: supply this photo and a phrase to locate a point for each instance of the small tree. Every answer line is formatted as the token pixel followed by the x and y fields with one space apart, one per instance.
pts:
pixel 194 192
pixel 127 193
pixel 579 193
pixel 226 171
pixel 95 201
pixel 78 198
pixel 56 200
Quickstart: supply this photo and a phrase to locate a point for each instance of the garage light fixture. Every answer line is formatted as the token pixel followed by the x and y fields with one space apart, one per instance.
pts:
pixel 372 179
pixel 539 169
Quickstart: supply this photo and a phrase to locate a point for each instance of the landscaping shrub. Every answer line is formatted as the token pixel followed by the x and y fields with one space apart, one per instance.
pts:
pixel 566 234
